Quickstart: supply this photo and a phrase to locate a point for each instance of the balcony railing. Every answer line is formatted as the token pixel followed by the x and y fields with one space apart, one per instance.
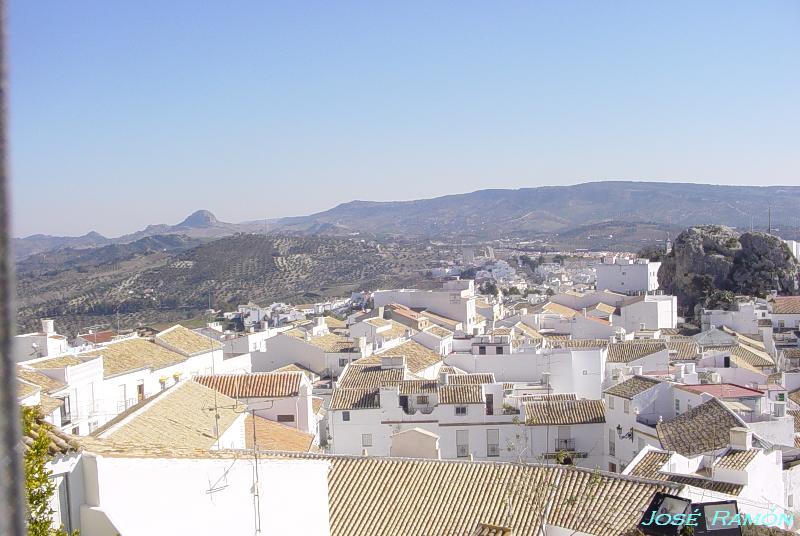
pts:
pixel 565 445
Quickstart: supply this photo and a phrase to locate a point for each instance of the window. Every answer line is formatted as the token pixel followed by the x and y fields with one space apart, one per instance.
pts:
pixel 92 426
pixel 481 350
pixel 612 447
pixel 366 440
pixel 342 362
pixel 498 350
pixel 285 418
pixel 781 397
pixel 688 406
pixel 677 406
pixel 610 401
pixel 462 443
pixel 345 416
pixel 612 467
pixel 626 406
pixel 489 404
pixel 493 443
pixel 790 501
pixel 422 400
pixel 461 410
pixel 66 416
pixel 585 372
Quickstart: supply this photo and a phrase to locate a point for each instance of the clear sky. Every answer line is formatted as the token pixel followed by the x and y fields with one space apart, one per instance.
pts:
pixel 129 113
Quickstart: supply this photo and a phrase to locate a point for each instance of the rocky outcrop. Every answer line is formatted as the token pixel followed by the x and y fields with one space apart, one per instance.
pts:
pixel 710 258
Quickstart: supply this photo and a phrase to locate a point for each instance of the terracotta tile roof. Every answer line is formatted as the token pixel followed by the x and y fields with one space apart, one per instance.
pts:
pixel 182 415
pixel 477 378
pixel 461 394
pixel 650 467
pixel 377 322
pixel 747 354
pixel 558 309
pixel 682 349
pixel 794 396
pixel 797 441
pixel 447 369
pixel 627 351
pixel 632 387
pixel 736 460
pixel 438 331
pixel 484 529
pixel 347 399
pixel 59 362
pixel 368 376
pixel 49 404
pixel 317 405
pixel 271 435
pixel 502 331
pixel 556 396
pixel 334 323
pixel 795 413
pixel 25 389
pixel 701 429
pixel 564 412
pixel 330 342
pixel 98 337
pixel 297 367
pixel 60 443
pixel 390 496
pixel 605 308
pixel 449 323
pixel 722 390
pixel 528 331
pixel 579 343
pixel 135 354
pixel 413 387
pixel 791 353
pixel 786 305
pixel 48 384
pixel 418 357
pixel 187 342
pixel 257 385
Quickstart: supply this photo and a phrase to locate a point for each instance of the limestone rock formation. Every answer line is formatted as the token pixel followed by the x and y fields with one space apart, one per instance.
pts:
pixel 707 259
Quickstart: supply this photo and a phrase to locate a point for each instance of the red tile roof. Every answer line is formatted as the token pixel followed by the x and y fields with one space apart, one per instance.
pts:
pixel 723 390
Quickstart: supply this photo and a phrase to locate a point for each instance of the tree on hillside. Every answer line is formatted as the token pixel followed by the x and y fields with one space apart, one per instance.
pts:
pixel 653 252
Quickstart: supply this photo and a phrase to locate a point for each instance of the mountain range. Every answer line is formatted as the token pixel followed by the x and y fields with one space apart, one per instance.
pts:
pixel 497 213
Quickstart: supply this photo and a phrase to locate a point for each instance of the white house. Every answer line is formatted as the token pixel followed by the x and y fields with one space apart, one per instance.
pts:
pixel 455 301
pixel 649 312
pixel 627 276
pixel 45 343
pixel 284 397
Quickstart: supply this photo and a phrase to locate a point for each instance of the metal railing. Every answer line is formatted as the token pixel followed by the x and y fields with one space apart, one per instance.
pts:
pixel 565 444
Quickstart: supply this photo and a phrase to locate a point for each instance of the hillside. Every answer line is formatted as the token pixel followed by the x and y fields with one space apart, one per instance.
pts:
pixel 554 209
pixel 156 285
pixel 550 212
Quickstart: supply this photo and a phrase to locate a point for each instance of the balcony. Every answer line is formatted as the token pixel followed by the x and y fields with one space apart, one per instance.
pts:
pixel 567 445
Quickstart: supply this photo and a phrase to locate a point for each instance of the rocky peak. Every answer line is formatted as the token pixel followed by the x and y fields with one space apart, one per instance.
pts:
pixel 200 218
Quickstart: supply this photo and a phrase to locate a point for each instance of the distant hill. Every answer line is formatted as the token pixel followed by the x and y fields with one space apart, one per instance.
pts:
pixel 148 283
pixel 544 212
pixel 553 209
pixel 201 224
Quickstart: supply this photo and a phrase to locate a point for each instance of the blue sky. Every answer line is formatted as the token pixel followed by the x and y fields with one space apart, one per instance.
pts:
pixel 129 113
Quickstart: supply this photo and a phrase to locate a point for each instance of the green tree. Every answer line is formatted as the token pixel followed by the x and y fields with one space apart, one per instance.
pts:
pixel 39 488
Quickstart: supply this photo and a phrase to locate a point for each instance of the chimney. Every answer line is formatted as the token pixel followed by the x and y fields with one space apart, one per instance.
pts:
pixel 584 311
pixel 741 438
pixel 320 321
pixel 443 378
pixel 380 312
pixel 689 368
pixel 779 408
pixel 47 326
pixel 715 378
pixel 546 379
pixel 523 311
pixel 680 370
pixel 636 371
